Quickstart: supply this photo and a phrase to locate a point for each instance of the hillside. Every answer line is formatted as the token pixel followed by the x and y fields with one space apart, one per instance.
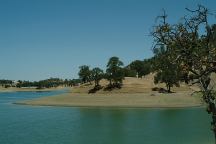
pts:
pixel 133 85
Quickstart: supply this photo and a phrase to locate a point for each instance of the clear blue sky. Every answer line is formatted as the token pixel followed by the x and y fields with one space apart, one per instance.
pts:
pixel 52 38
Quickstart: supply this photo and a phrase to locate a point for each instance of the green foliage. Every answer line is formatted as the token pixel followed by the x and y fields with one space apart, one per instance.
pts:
pixel 115 72
pixel 48 83
pixel 73 82
pixel 97 75
pixel 7 86
pixel 6 83
pixel 191 46
pixel 129 73
pixel 168 75
pixel 167 71
pixel 52 82
pixel 85 73
pixel 141 68
pixel 26 84
pixel 138 66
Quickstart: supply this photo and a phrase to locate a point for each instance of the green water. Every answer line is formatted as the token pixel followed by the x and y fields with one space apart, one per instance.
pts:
pixel 59 125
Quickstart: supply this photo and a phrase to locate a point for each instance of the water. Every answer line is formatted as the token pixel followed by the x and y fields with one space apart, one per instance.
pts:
pixel 63 125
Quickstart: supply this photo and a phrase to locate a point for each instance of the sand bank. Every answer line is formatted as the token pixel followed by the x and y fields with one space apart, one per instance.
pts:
pixel 136 100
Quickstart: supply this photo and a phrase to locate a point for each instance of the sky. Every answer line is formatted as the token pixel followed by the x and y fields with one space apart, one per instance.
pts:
pixel 40 39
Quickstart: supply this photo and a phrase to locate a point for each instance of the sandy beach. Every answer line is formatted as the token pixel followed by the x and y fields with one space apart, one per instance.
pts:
pixel 119 100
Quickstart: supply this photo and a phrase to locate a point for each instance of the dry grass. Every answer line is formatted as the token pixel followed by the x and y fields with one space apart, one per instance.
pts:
pixel 134 93
pixel 132 85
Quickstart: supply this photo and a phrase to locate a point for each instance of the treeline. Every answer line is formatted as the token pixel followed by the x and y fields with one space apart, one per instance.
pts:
pixel 139 68
pixel 48 83
pixel 115 72
pixel 6 83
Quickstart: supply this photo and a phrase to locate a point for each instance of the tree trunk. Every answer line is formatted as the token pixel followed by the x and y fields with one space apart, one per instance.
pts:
pixel 213 123
pixel 209 98
pixel 95 83
pixel 110 82
pixel 168 87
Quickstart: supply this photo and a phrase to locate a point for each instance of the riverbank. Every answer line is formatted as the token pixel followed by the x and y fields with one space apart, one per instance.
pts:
pixel 15 89
pixel 134 93
pixel 136 100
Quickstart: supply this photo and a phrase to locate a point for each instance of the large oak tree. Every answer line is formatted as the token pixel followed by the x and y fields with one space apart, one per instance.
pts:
pixel 191 42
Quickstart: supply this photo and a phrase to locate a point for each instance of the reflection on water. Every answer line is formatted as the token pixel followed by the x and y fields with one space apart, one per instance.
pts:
pixel 149 125
pixel 58 125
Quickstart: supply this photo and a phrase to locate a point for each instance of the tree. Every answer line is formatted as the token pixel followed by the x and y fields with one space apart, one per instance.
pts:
pixel 97 75
pixel 6 83
pixel 115 72
pixel 138 66
pixel 66 82
pixel 192 45
pixel 166 70
pixel 85 74
pixel 129 72
pixel 142 68
pixel 73 82
pixel 147 67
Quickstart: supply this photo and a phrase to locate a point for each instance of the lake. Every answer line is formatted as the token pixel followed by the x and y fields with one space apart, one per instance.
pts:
pixel 21 124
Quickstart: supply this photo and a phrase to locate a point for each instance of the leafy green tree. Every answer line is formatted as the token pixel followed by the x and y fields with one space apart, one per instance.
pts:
pixel 167 71
pixel 129 73
pixel 147 68
pixel 85 74
pixel 73 82
pixel 138 66
pixel 115 72
pixel 142 68
pixel 192 46
pixel 97 75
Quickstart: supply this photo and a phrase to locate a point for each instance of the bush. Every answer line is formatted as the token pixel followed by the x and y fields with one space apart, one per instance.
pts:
pixel 7 86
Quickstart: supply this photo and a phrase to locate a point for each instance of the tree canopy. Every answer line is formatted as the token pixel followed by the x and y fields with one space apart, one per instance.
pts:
pixel 97 75
pixel 85 73
pixel 141 68
pixel 167 71
pixel 114 71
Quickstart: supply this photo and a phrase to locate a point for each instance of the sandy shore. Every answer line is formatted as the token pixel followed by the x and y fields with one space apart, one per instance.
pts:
pixel 134 93
pixel 136 100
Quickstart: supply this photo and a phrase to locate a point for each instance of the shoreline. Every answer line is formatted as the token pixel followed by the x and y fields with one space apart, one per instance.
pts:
pixel 14 89
pixel 135 93
pixel 114 107
pixel 117 100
